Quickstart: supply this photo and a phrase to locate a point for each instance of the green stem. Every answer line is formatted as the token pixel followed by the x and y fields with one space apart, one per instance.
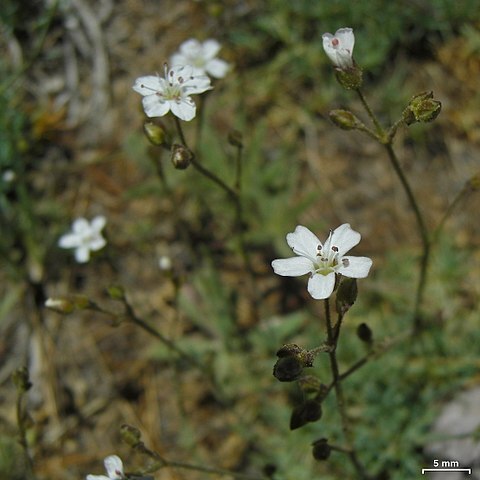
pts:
pixel 408 191
pixel 386 139
pixel 370 113
pixel 332 339
pixel 234 195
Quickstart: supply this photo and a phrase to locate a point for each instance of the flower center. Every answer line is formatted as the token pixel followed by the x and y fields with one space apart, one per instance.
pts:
pixel 326 260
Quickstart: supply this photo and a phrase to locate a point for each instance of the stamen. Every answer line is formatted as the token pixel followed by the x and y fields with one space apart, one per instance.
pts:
pixel 335 249
pixel 335 42
pixel 345 262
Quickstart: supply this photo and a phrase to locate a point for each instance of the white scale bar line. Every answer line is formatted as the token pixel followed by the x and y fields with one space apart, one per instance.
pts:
pixel 469 470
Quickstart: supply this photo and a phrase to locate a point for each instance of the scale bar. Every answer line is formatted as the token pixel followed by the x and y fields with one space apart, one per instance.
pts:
pixel 424 470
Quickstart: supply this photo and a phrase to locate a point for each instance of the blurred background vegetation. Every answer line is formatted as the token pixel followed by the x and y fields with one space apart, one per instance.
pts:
pixel 71 144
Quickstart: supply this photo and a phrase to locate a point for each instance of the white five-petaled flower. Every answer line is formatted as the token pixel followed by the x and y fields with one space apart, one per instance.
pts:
pixel 202 57
pixel 114 468
pixel 84 237
pixel 339 47
pixel 323 261
pixel 160 95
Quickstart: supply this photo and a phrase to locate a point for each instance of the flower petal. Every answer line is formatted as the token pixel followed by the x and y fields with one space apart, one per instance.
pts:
pixel 82 254
pixel 184 109
pixel 97 243
pixel 80 225
pixel 178 59
pixel 292 267
pixel 190 47
pixel 154 106
pixel 344 238
pixel 346 38
pixel 321 286
pixel 210 48
pixel 98 223
pixel 69 240
pixel 217 68
pixel 149 84
pixel 114 467
pixel 356 267
pixel 339 47
pixel 303 242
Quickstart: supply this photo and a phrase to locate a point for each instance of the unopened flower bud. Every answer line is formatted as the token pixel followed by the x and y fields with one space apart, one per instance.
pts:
pixel 344 119
pixel 292 359
pixel 67 305
pixel 364 333
pixel 350 78
pixel 346 295
pixel 287 369
pixel 422 108
pixel 321 449
pixel 309 411
pixel 235 138
pixel 116 292
pixel 290 350
pixel 130 435
pixel 156 133
pixel 181 156
pixel 21 380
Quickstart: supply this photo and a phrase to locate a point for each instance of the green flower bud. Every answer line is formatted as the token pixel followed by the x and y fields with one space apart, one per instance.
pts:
pixel 350 78
pixel 422 108
pixel 67 305
pixel 309 411
pixel 130 435
pixel 21 379
pixel 181 156
pixel 346 295
pixel 344 119
pixel 364 333
pixel 116 292
pixel 156 133
pixel 321 449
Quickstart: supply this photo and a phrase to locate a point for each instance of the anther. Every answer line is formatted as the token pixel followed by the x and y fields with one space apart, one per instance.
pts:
pixel 345 262
pixel 335 249
pixel 335 42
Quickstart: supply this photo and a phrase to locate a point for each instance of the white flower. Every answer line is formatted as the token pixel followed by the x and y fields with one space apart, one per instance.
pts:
pixel 323 261
pixel 114 468
pixel 165 263
pixel 160 95
pixel 84 237
pixel 339 47
pixel 202 57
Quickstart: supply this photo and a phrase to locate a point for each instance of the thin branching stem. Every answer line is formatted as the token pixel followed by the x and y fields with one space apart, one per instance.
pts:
pixel 332 339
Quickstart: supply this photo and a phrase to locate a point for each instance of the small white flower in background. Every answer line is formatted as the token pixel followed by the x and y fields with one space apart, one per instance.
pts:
pixel 165 263
pixel 8 176
pixel 339 47
pixel 114 468
pixel 202 57
pixel 160 95
pixel 323 261
pixel 84 237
